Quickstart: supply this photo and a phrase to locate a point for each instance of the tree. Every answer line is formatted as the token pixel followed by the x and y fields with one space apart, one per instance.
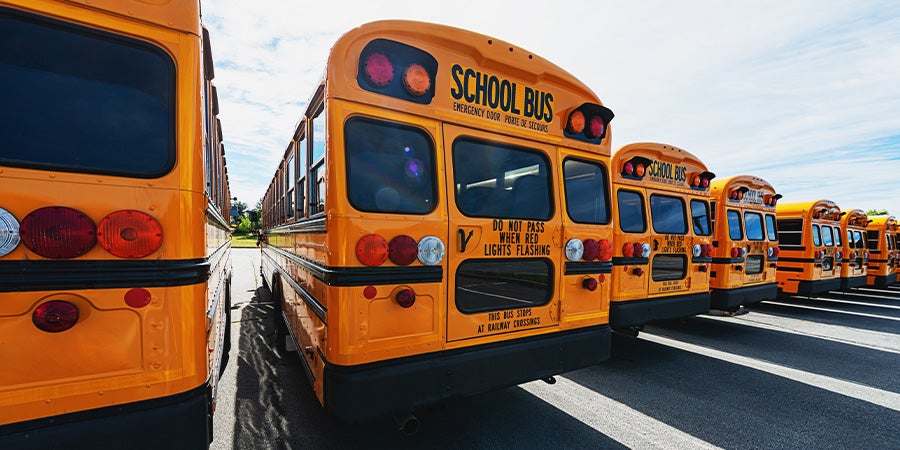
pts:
pixel 877 212
pixel 241 207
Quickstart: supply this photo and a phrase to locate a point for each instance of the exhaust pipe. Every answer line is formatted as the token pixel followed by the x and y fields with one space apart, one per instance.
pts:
pixel 407 424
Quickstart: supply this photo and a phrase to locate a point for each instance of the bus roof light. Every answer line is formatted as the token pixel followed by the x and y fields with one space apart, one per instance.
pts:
pixel 58 232
pixel 639 170
pixel 416 80
pixel 595 127
pixel 402 250
pixel 431 250
pixel 129 234
pixel 372 250
pixel 379 70
pixel 628 168
pixel 55 316
pixel 575 124
pixel 9 232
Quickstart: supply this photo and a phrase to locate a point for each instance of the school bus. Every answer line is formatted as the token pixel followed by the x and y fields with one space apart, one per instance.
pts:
pixel 854 251
pixel 663 235
pixel 809 262
pixel 745 244
pixel 440 223
pixel 114 248
pixel 881 236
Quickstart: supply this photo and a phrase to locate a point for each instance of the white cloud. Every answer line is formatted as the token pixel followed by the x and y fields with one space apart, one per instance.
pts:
pixel 794 92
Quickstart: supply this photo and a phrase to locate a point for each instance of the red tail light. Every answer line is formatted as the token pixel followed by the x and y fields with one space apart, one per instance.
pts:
pixel 589 284
pixel 129 234
pixel 416 80
pixel 639 250
pixel 58 232
pixel 735 252
pixel 628 250
pixel 402 250
pixel 706 250
pixel 777 251
pixel 638 271
pixel 853 255
pixel 406 297
pixel 604 250
pixel 379 70
pixel 55 316
pixel 575 124
pixel 591 250
pixel 372 250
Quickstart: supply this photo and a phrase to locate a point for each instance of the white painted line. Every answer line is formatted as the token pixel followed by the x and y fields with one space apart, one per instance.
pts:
pixel 876 340
pixel 628 426
pixel 859 291
pixel 852 313
pixel 887 399
pixel 853 302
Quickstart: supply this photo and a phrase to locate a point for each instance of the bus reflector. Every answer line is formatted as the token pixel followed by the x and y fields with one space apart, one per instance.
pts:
pixel 402 250
pixel 416 80
pixel 369 292
pixel 372 250
pixel 405 297
pixel 379 70
pixel 9 232
pixel 58 232
pixel 55 316
pixel 575 123
pixel 129 234
pixel 589 284
pixel 591 250
pixel 431 250
pixel 604 250
pixel 137 298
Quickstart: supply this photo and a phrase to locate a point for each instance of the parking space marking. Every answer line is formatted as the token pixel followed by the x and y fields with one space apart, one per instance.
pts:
pixel 628 426
pixel 887 399
pixel 816 308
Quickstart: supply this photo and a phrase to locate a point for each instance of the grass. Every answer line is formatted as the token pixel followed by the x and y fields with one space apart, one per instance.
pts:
pixel 243 240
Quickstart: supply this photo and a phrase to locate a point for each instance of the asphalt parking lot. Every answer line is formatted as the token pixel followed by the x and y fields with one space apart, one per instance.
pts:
pixel 792 373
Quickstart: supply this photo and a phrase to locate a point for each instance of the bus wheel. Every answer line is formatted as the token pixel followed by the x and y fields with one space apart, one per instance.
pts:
pixel 281 331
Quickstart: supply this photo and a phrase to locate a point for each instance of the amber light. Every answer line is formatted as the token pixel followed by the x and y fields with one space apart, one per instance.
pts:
pixel 58 232
pixel 372 250
pixel 639 170
pixel 130 234
pixel 379 70
pixel 575 124
pixel 416 80
pixel 55 316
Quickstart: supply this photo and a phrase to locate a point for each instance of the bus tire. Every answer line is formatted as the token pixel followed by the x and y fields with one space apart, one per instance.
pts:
pixel 281 334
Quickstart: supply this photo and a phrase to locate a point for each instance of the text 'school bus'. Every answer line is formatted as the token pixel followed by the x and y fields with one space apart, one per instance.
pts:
pixel 809 239
pixel 440 222
pixel 114 249
pixel 662 240
pixel 882 243
pixel 745 244
pixel 854 252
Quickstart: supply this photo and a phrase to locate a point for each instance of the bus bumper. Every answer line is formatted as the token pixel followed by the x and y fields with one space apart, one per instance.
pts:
pixel 639 312
pixel 810 288
pixel 181 421
pixel 369 391
pixel 883 281
pixel 732 298
pixel 852 282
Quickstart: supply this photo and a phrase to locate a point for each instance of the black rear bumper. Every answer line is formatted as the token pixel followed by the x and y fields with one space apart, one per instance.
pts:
pixel 852 282
pixel 732 298
pixel 359 393
pixel 639 312
pixel 883 281
pixel 812 288
pixel 181 421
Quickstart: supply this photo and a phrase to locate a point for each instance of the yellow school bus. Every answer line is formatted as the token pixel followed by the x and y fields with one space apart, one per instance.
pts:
pixel 114 248
pixel 745 244
pixel 809 261
pixel 882 243
pixel 440 224
pixel 854 251
pixel 663 236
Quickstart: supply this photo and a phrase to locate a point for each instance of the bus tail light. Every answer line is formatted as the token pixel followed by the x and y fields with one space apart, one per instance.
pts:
pixel 628 250
pixel 743 252
pixel 591 250
pixel 777 251
pixel 402 250
pixel 55 316
pixel 372 250
pixel 697 250
pixel 838 255
pixel 58 232
pixel 866 256
pixel 644 249
pixel 589 284
pixel 818 254
pixel 770 252
pixel 9 232
pixel 853 255
pixel 430 251
pixel 604 250
pixel 706 250
pixel 735 252
pixel 405 297
pixel 129 234
pixel 574 249
pixel 638 271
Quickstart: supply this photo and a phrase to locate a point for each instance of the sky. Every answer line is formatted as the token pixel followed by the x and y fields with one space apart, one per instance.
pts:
pixel 804 94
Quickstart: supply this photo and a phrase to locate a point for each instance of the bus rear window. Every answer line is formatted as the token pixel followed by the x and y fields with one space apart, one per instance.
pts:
pixel 754 226
pixel 390 167
pixel 735 231
pixel 631 212
pixel 667 214
pixel 700 217
pixel 489 285
pixel 771 230
pixel 82 100
pixel 586 192
pixel 496 180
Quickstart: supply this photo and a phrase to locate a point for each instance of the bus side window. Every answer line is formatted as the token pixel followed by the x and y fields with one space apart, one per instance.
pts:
pixel 771 229
pixel 317 161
